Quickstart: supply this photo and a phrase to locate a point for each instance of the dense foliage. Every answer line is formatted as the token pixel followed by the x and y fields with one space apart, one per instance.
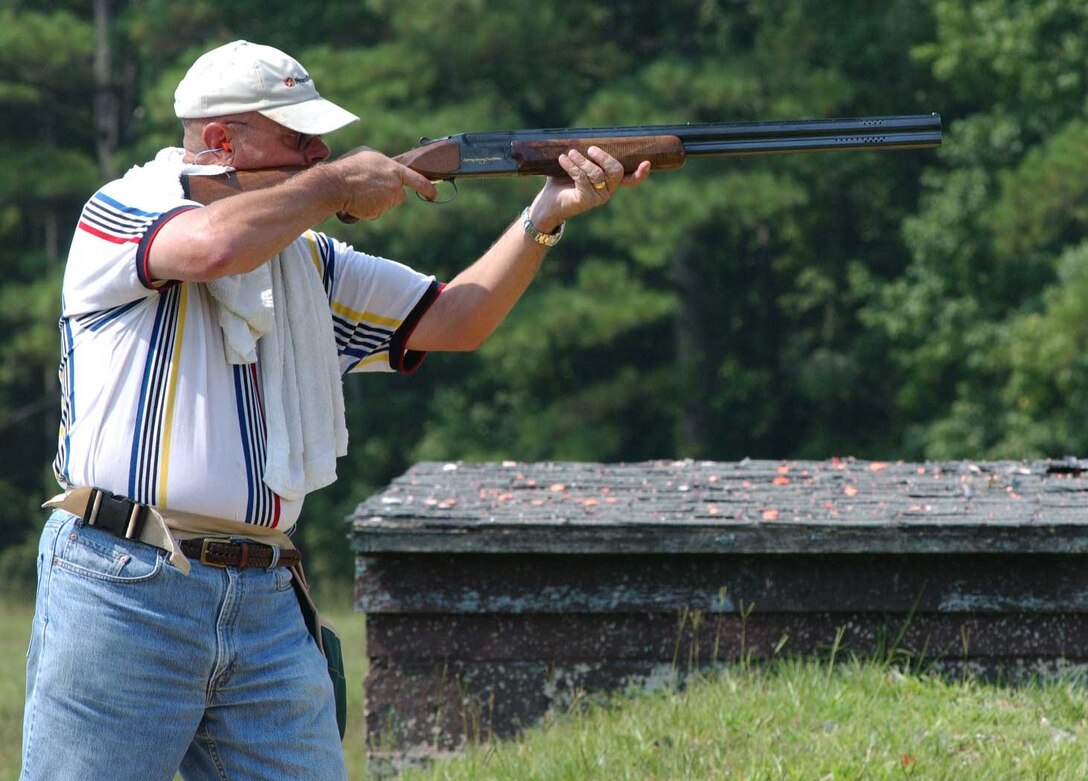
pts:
pixel 891 305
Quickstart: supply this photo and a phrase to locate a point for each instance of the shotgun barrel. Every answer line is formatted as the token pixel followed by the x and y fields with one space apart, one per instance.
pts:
pixel 536 152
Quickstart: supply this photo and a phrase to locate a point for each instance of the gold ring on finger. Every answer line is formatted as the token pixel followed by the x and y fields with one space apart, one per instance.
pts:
pixel 600 185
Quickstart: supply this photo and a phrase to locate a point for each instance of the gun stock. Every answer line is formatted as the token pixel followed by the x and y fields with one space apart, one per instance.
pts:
pixel 208 189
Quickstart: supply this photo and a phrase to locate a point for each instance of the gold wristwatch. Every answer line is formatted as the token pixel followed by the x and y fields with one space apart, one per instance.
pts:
pixel 545 239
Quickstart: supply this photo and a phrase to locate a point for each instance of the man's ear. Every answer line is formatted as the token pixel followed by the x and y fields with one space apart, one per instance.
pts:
pixel 217 135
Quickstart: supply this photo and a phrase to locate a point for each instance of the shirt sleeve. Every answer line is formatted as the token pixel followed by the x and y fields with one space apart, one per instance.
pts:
pixel 375 304
pixel 107 263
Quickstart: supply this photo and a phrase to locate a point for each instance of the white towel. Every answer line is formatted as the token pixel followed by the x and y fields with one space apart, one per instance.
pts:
pixel 246 311
pixel 279 315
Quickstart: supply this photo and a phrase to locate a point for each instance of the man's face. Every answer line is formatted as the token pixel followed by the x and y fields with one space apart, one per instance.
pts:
pixel 258 142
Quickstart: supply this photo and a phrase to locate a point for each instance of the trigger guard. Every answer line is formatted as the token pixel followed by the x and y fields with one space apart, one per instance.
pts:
pixel 437 183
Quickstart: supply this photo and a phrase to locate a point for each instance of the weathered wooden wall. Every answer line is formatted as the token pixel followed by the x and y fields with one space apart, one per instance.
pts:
pixel 495 593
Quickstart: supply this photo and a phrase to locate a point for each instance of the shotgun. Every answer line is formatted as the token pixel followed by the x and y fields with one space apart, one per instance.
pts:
pixel 536 152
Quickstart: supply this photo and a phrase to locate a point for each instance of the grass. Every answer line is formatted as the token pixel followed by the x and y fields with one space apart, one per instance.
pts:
pixel 14 633
pixel 785 720
pixel 804 720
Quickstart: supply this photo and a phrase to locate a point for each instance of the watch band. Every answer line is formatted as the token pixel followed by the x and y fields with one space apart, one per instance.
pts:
pixel 545 239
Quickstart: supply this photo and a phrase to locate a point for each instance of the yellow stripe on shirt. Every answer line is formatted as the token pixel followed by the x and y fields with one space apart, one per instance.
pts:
pixel 339 309
pixel 314 253
pixel 365 317
pixel 372 359
pixel 171 394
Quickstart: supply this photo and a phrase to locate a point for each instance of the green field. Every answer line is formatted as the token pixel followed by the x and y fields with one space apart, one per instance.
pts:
pixel 14 632
pixel 808 721
pixel 805 721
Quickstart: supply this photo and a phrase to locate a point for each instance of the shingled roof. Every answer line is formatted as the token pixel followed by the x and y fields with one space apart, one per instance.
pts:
pixel 750 506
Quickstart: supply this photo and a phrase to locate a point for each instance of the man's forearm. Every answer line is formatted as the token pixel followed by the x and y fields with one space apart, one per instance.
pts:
pixel 478 299
pixel 237 234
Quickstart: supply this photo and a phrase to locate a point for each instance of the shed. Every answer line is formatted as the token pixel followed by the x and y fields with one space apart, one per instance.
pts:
pixel 496 593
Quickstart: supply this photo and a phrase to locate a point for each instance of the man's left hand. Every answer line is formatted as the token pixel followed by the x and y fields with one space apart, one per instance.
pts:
pixel 594 178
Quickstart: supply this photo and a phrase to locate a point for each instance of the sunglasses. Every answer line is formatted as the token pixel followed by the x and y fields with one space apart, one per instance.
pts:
pixel 298 141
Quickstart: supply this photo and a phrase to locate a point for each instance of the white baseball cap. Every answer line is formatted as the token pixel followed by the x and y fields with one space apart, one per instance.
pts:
pixel 239 77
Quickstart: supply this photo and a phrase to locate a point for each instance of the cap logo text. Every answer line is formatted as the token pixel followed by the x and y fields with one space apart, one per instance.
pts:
pixel 292 81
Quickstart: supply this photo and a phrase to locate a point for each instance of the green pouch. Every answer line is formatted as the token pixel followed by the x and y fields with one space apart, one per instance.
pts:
pixel 329 644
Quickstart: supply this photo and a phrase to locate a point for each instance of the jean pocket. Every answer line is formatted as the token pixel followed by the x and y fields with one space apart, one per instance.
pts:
pixel 283 578
pixel 94 553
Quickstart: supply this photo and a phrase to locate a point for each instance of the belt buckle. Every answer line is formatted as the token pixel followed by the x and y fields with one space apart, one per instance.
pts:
pixel 114 513
pixel 204 543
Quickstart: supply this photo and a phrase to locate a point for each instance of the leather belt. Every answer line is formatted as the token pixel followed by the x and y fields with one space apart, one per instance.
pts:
pixel 123 517
pixel 224 552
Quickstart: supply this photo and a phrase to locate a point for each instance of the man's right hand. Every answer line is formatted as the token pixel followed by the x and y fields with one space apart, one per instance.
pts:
pixel 371 184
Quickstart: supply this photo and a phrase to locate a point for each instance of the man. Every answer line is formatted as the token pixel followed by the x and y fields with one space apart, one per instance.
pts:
pixel 197 412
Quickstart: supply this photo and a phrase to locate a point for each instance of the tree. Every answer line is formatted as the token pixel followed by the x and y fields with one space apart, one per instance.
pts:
pixel 997 234
pixel 720 303
pixel 45 57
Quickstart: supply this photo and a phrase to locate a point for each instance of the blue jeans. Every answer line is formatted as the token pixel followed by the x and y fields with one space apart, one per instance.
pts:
pixel 136 671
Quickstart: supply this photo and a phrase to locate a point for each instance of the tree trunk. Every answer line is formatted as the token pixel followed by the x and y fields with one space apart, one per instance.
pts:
pixel 691 352
pixel 106 104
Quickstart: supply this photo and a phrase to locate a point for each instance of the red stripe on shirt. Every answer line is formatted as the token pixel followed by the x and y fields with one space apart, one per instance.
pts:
pixel 143 269
pixel 108 236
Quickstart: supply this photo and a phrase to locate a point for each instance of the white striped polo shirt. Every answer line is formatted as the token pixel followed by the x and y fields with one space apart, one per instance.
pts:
pixel 150 407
